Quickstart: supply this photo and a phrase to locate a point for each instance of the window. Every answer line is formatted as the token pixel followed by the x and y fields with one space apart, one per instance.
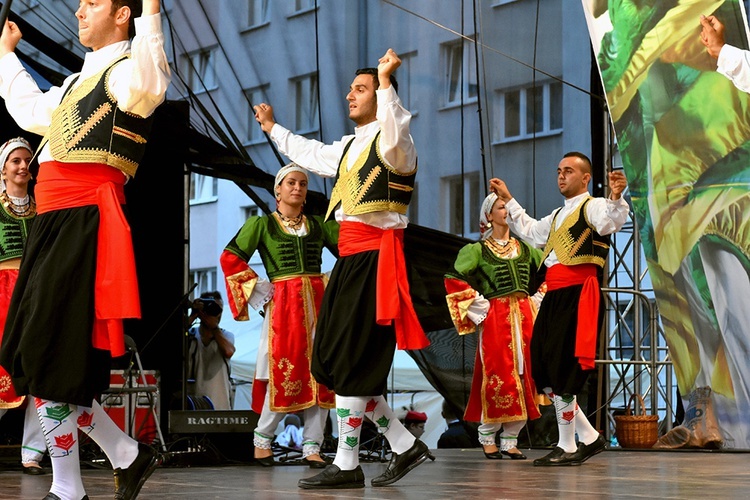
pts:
pixel 303 5
pixel 460 73
pixel 206 280
pixel 200 70
pixel 203 188
pixel 251 211
pixel 404 79
pixel 257 12
pixel 306 104
pixel 530 111
pixel 462 200
pixel 254 97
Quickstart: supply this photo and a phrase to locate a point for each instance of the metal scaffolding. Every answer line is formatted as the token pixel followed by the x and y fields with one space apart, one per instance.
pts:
pixel 634 355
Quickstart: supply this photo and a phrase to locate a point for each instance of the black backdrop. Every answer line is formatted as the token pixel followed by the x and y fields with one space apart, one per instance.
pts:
pixel 156 210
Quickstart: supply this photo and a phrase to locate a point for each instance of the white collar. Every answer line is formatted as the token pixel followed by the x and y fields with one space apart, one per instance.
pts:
pixel 367 130
pixel 574 201
pixel 97 60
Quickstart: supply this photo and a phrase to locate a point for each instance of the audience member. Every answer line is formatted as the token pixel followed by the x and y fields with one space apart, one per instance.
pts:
pixel 210 348
pixel 455 436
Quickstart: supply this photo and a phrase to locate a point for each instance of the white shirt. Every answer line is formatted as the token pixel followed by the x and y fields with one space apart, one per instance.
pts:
pixel 607 216
pixel 139 84
pixel 396 146
pixel 734 63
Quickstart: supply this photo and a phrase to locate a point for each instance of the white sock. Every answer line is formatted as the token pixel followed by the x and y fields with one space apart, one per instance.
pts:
pixel 391 427
pixel 121 449
pixel 350 413
pixel 58 421
pixel 565 407
pixel 509 435
pixel 586 432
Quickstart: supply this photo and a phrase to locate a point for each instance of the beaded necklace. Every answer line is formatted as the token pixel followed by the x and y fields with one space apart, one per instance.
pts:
pixel 502 248
pixel 291 222
pixel 20 207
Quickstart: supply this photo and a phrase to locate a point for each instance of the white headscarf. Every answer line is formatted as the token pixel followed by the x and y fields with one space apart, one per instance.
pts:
pixel 286 170
pixel 485 229
pixel 5 151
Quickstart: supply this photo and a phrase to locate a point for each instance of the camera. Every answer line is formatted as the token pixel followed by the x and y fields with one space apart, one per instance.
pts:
pixel 210 306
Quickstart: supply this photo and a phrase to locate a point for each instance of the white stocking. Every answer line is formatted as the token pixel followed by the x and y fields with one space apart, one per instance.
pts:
pixel 120 448
pixel 391 427
pixel 58 422
pixel 350 413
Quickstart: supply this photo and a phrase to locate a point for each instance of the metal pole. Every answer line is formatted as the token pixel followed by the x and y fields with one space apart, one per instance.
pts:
pixel 4 11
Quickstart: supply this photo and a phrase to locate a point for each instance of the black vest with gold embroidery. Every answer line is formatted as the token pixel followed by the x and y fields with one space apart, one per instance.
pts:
pixel 370 185
pixel 576 241
pixel 88 127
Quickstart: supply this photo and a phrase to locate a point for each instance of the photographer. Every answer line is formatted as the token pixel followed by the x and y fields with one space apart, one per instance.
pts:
pixel 209 351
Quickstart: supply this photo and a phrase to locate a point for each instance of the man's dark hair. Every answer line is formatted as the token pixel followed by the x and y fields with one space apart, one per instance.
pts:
pixel 211 295
pixel 582 156
pixel 374 73
pixel 136 9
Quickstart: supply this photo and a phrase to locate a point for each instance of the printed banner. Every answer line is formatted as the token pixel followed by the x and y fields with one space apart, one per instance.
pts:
pixel 683 132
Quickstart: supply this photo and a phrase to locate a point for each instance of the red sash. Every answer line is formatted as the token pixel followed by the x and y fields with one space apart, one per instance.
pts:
pixel 70 185
pixel 561 276
pixel 393 302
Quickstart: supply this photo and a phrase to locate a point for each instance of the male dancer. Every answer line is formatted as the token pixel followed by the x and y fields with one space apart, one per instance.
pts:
pixel 366 308
pixel 77 280
pixel 563 344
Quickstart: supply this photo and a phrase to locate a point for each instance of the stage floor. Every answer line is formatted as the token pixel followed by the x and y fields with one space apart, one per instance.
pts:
pixel 454 474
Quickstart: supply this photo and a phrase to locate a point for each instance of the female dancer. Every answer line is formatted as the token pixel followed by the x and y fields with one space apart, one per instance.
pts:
pixel 17 211
pixel 490 291
pixel 290 245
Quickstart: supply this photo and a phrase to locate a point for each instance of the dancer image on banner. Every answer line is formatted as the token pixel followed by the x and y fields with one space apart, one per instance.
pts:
pixel 563 345
pixel 16 215
pixel 367 310
pixel 489 292
pixel 77 280
pixel 682 132
pixel 291 246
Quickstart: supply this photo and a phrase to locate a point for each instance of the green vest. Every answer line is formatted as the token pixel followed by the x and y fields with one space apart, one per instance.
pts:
pixel 283 254
pixel 13 234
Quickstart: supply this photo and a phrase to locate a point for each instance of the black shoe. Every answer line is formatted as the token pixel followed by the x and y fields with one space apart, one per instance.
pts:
pixel 52 496
pixel 494 455
pixel 34 471
pixel 266 461
pixel 403 463
pixel 516 455
pixel 558 456
pixel 315 464
pixel 586 451
pixel 334 478
pixel 128 482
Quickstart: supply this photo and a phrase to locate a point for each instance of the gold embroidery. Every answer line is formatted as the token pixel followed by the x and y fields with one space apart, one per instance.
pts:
pixel 97 116
pixel 565 246
pixel 130 135
pixel 400 187
pixel 350 191
pixel 291 387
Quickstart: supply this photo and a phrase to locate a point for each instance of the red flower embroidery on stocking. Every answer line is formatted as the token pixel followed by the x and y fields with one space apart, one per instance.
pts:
pixel 65 442
pixel 568 415
pixel 85 418
pixel 354 422
pixel 371 404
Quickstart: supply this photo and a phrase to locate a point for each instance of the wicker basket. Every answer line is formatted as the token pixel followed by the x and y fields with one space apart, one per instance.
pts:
pixel 637 431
